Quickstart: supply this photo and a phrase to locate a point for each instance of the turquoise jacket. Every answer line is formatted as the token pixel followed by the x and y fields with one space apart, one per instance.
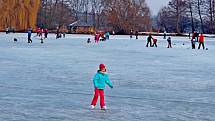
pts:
pixel 100 79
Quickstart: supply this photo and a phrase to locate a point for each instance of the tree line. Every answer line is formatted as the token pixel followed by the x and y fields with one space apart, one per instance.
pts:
pixel 116 15
pixel 113 15
pixel 18 14
pixel 188 16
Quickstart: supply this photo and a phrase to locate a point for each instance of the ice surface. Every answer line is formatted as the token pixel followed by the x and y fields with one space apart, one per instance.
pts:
pixel 53 81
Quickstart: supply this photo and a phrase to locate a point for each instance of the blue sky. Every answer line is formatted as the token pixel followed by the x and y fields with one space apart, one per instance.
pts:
pixel 156 5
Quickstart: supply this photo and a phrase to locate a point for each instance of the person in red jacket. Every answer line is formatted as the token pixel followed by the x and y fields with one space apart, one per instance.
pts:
pixel 154 42
pixel 201 41
pixel 37 31
pixel 97 36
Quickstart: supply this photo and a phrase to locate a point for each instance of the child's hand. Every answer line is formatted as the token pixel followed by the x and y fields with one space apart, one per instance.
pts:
pixel 111 87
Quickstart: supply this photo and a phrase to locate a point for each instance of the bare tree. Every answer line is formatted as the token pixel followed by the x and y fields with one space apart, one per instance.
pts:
pixel 177 8
pixel 106 14
pixel 171 16
pixel 190 3
pixel 124 15
pixel 210 10
pixel 199 4
pixel 55 13
pixel 18 14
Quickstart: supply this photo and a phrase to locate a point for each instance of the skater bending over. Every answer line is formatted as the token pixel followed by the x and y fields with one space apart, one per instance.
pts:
pixel 154 42
pixel 99 81
pixel 169 42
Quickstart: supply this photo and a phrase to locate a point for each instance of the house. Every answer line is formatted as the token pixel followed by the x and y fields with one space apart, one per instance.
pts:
pixel 84 24
pixel 81 27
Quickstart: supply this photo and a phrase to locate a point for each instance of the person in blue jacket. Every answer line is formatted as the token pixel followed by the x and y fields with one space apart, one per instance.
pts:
pixel 107 35
pixel 29 35
pixel 99 81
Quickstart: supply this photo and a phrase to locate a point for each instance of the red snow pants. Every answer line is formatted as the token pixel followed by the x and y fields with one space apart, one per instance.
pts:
pixel 98 92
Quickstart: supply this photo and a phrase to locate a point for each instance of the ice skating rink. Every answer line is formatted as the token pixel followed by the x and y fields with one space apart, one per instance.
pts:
pixel 53 81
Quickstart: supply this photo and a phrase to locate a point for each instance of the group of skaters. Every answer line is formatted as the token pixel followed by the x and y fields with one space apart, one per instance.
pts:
pixel 100 36
pixel 103 36
pixel 197 38
pixel 152 42
pixel 136 34
pixel 43 34
pixel 149 41
pixel 40 32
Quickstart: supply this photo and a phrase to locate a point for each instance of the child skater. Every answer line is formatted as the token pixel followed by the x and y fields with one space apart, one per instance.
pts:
pixel 154 42
pixel 99 81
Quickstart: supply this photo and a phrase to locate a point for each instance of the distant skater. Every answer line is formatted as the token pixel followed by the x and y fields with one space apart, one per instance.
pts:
pixel 113 33
pixel 169 42
pixel 164 35
pixel 193 41
pixel 201 41
pixel 131 33
pixel 29 35
pixel 37 31
pixel 7 30
pixel 46 33
pixel 88 40
pixel 196 36
pixel 107 35
pixel 64 34
pixel 97 37
pixel 149 41
pixel 58 35
pixel 136 34
pixel 41 33
pixel 99 81
pixel 154 42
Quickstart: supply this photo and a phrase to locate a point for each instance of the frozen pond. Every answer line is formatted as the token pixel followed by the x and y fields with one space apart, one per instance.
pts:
pixel 53 81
